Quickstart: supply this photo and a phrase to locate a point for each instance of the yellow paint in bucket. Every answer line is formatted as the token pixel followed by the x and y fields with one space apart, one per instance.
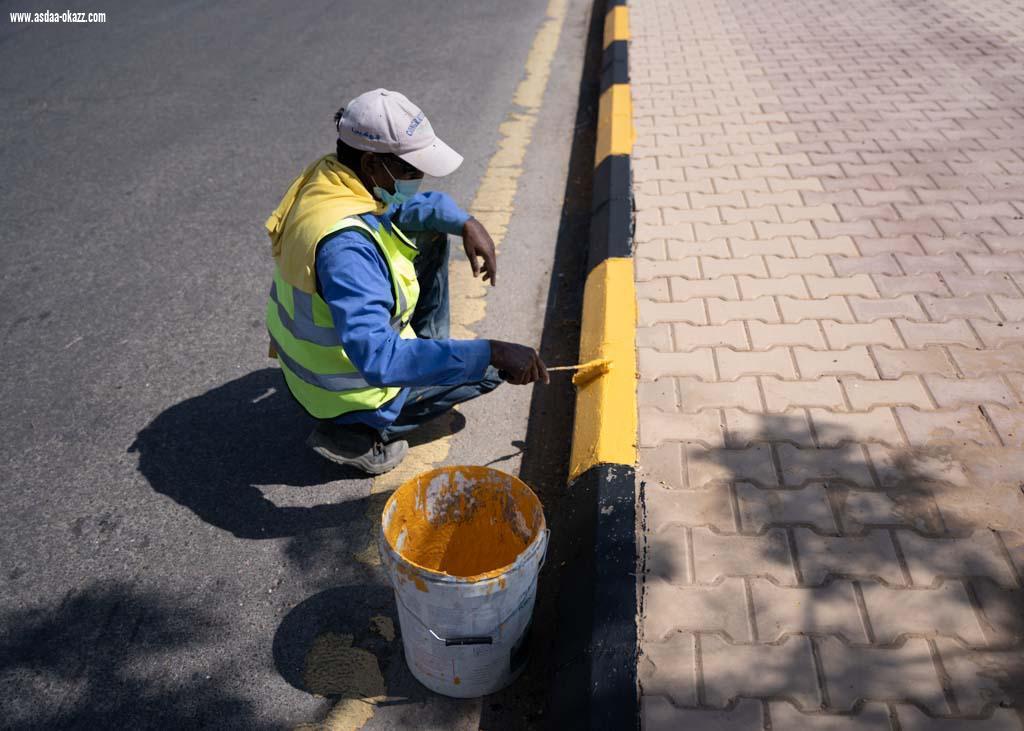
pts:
pixel 476 525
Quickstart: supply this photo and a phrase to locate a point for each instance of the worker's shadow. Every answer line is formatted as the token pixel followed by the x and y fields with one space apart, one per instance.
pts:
pixel 214 452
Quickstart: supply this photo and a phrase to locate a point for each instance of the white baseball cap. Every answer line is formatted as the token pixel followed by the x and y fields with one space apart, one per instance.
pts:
pixel 386 121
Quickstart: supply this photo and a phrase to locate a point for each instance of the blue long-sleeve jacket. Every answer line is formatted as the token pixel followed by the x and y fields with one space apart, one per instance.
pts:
pixel 353 279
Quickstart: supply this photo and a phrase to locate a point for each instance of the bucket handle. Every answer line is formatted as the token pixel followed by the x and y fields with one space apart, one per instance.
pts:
pixel 480 640
pixel 455 641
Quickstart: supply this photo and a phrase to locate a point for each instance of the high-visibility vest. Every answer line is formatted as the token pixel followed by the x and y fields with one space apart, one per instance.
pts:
pixel 319 373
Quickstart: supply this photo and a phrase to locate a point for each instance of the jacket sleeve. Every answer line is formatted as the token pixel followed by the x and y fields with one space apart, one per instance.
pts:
pixel 432 211
pixel 355 283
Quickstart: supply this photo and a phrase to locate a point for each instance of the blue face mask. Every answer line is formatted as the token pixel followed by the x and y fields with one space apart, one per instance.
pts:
pixel 404 190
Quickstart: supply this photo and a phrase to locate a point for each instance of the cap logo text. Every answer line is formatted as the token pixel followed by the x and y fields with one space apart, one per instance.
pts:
pixel 414 124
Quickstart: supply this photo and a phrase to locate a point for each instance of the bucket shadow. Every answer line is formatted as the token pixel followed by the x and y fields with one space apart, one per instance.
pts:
pixel 313 641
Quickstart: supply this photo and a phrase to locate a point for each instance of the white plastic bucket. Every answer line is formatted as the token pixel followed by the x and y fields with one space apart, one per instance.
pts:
pixel 464 621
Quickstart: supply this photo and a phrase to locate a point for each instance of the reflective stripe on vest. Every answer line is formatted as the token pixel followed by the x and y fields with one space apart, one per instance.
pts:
pixel 328 381
pixel 318 371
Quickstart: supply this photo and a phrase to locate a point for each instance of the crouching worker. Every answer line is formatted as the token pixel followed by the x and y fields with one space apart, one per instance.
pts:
pixel 358 309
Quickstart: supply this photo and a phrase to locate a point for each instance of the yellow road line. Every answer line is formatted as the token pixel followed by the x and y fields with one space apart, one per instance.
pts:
pixel 616 25
pixel 605 427
pixel 615 133
pixel 492 206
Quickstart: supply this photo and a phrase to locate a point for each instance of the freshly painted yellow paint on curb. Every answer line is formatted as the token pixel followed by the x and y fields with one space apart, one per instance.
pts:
pixel 605 428
pixel 616 25
pixel 615 133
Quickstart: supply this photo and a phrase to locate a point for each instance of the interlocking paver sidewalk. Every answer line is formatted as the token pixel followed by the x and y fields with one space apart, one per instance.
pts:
pixel 830 274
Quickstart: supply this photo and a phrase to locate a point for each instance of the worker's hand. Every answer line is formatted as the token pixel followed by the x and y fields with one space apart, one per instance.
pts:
pixel 518 364
pixel 477 243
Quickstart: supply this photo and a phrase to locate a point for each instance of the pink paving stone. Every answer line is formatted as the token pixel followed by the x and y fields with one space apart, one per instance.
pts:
pixel 760 508
pixel 905 673
pixel 690 337
pixel 829 609
pixel 672 608
pixel 974 676
pixel 784 670
pixel 847 463
pixel 811 167
pixel 717 556
pixel 659 714
pixel 733 364
pixel 894 363
pixel 744 428
pixel 953 426
pixel 663 464
pixel 945 610
pixel 709 466
pixel 913 719
pixel 906 390
pixel 673 507
pixel 980 554
pixel 869 716
pixel 667 669
pixel 696 395
pixel 868 556
pixel 956 392
pixel 654 364
pixel 851 361
pixel 781 395
pixel 875 425
pixel 657 426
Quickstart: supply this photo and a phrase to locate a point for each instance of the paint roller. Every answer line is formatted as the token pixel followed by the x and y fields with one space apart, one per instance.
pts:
pixel 586 372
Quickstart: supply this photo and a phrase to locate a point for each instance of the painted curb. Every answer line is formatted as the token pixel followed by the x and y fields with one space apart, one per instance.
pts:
pixel 604 452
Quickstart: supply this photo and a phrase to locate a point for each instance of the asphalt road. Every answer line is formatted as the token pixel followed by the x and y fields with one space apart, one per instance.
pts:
pixel 169 551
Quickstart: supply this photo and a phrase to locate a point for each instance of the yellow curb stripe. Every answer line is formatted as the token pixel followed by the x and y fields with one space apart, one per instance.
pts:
pixel 616 25
pixel 615 133
pixel 605 428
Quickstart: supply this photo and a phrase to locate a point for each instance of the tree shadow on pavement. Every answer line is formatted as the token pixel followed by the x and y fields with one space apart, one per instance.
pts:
pixel 878 569
pixel 102 652
pixel 211 454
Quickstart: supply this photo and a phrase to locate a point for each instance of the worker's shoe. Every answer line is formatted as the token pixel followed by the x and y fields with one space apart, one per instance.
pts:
pixel 357 446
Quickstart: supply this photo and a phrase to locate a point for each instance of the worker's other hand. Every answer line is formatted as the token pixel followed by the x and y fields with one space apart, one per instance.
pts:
pixel 478 245
pixel 518 364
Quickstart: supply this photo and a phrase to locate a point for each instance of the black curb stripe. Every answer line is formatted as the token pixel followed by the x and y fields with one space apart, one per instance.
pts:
pixel 613 632
pixel 611 223
pixel 612 180
pixel 611 233
pixel 615 64
pixel 612 3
